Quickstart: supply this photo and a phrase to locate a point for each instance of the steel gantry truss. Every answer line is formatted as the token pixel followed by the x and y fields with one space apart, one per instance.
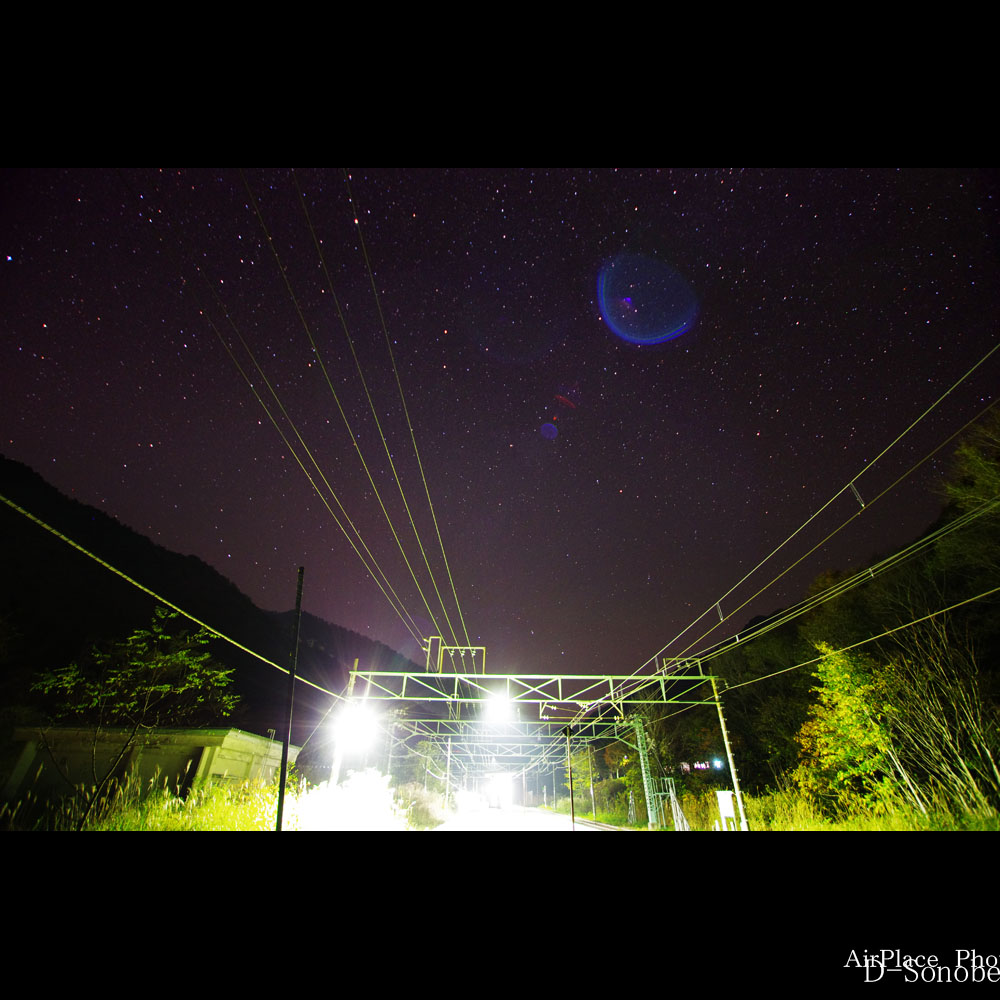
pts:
pixel 563 709
pixel 574 695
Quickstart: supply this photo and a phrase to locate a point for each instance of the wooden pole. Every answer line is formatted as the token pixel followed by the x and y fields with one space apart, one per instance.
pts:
pixel 291 695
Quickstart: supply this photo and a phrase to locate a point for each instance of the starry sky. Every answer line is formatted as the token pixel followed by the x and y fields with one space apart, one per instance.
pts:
pixel 594 496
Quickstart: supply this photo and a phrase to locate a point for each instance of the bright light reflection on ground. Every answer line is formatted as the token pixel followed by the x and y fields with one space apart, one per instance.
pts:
pixel 499 791
pixel 362 802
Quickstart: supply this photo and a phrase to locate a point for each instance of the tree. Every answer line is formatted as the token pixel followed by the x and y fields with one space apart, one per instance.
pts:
pixel 937 720
pixel 763 718
pixel 967 561
pixel 432 763
pixel 584 767
pixel 975 479
pixel 616 756
pixel 845 752
pixel 161 675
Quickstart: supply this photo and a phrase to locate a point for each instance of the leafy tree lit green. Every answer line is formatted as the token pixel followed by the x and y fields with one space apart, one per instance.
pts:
pixel 845 753
pixel 157 676
pixel 616 757
pixel 586 766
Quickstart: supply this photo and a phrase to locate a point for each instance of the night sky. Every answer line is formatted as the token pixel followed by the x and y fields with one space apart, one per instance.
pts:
pixel 594 495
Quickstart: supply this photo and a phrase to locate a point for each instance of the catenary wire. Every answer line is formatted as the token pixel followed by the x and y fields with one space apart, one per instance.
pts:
pixel 830 593
pixel 402 398
pixel 847 486
pixel 152 593
pixel 843 649
pixel 395 602
pixel 378 423
pixel 836 530
pixel 351 434
pixel 387 589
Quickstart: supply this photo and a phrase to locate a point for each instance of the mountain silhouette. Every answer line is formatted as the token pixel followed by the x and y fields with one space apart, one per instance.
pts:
pixel 56 603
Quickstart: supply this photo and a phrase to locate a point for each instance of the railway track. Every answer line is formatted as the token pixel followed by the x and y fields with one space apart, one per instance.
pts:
pixel 596 825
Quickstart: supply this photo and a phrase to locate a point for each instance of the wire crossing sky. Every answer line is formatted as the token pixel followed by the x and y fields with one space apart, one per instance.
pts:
pixel 606 459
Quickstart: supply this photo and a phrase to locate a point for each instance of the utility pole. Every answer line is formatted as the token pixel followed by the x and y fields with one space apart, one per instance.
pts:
pixel 291 696
pixel 388 762
pixel 590 764
pixel 447 779
pixel 569 766
pixel 744 825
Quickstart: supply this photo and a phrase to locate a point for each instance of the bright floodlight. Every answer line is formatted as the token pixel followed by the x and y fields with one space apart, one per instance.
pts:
pixel 355 727
pixel 499 790
pixel 499 708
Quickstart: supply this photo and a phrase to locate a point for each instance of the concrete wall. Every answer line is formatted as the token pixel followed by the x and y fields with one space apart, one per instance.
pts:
pixel 177 758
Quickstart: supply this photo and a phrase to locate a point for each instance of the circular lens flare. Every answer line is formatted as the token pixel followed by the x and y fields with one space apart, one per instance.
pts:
pixel 644 300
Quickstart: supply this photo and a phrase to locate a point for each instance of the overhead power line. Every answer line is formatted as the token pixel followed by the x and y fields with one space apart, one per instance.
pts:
pixel 152 593
pixel 836 590
pixel 844 649
pixel 959 522
pixel 873 638
pixel 850 485
pixel 374 569
pixel 340 409
pixel 369 561
pixel 843 586
pixel 406 412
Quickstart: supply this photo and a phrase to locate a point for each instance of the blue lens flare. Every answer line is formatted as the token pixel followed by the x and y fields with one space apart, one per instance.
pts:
pixel 644 300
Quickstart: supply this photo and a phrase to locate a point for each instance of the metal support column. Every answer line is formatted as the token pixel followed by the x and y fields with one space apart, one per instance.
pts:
pixel 729 754
pixel 447 777
pixel 593 801
pixel 569 767
pixel 647 784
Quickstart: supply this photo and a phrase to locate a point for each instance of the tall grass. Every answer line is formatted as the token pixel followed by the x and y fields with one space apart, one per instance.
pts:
pixel 613 811
pixel 366 802
pixel 785 810
pixel 363 802
pixel 424 808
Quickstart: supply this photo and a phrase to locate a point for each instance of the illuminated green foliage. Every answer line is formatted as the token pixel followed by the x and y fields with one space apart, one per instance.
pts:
pixel 845 756
pixel 616 757
pixel 975 479
pixel 159 675
pixel 363 802
pixel 583 768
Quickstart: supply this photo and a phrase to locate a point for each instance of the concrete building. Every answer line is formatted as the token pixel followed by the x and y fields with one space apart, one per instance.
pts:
pixel 54 760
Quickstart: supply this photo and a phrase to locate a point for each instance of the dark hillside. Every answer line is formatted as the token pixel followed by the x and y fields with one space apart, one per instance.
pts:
pixel 56 602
